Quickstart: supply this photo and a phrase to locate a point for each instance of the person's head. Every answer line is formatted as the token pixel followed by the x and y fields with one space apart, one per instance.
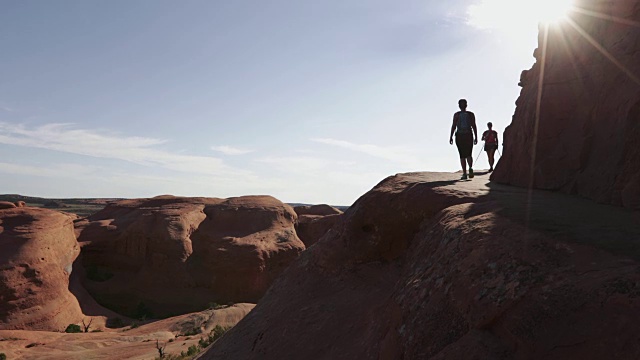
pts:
pixel 489 125
pixel 462 103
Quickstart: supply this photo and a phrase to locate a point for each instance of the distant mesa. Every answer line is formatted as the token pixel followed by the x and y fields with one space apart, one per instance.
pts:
pixel 55 204
pixel 37 249
pixel 321 210
pixel 171 255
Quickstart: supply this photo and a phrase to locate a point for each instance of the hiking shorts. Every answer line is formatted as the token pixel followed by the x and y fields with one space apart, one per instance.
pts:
pixel 464 142
pixel 490 147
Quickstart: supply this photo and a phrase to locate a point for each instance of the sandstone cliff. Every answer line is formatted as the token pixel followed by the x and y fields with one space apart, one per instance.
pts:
pixel 170 255
pixel 37 249
pixel 587 141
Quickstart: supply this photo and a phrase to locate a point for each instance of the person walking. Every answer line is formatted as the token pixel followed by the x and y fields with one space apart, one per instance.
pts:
pixel 490 138
pixel 463 123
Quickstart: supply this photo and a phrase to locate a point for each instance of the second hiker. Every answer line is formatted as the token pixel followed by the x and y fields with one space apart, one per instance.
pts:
pixel 490 138
pixel 463 122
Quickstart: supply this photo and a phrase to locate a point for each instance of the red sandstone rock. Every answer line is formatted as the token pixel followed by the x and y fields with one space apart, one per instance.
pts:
pixel 588 136
pixel 448 271
pixel 37 249
pixel 7 205
pixel 322 210
pixel 20 204
pixel 174 255
pixel 310 228
pixel 314 221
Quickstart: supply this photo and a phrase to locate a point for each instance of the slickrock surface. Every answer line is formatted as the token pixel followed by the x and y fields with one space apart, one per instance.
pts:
pixel 451 269
pixel 588 136
pixel 170 255
pixel 125 343
pixel 37 250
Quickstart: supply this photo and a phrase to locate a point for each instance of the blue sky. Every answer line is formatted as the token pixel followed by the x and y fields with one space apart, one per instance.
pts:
pixel 308 101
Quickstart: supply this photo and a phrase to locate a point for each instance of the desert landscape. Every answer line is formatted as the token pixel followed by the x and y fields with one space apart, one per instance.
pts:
pixel 539 259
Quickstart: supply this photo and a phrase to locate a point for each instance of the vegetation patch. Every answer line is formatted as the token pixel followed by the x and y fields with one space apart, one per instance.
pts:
pixel 194 350
pixel 10 339
pixel 73 328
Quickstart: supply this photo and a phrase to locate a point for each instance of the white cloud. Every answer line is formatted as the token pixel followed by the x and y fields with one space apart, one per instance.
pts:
pixel 230 150
pixel 139 150
pixel 397 154
pixel 55 170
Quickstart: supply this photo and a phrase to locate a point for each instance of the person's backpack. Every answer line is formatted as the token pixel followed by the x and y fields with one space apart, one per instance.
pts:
pixel 491 137
pixel 464 123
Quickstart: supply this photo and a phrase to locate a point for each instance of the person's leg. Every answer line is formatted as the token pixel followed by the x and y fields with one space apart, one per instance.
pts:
pixel 462 150
pixel 470 161
pixel 491 153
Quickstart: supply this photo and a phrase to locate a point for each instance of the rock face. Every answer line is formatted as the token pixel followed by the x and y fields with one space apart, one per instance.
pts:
pixel 440 273
pixel 588 136
pixel 315 221
pixel 37 249
pixel 7 205
pixel 168 255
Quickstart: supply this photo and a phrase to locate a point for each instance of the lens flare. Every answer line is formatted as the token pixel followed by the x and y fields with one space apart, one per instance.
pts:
pixel 511 15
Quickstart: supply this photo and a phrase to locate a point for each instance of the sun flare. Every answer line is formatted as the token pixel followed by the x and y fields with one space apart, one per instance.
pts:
pixel 511 15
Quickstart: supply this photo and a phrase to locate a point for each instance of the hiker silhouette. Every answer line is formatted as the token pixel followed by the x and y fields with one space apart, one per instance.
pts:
pixel 490 138
pixel 463 123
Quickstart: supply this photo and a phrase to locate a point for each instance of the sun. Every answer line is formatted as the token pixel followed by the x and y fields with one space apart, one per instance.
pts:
pixel 550 11
pixel 510 15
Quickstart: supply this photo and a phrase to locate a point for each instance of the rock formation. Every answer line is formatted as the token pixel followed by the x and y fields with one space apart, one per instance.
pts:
pixel 587 140
pixel 314 222
pixel 37 249
pixel 7 205
pixel 447 271
pixel 168 255
pixel 317 210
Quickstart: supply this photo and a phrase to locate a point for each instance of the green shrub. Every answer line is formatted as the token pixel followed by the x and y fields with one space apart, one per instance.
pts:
pixel 219 331
pixel 194 331
pixel 192 350
pixel 3 356
pixel 73 328
pixel 215 306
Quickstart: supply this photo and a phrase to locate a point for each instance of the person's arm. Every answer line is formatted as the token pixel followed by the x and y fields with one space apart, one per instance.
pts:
pixel 475 129
pixel 484 135
pixel 453 128
pixel 497 141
